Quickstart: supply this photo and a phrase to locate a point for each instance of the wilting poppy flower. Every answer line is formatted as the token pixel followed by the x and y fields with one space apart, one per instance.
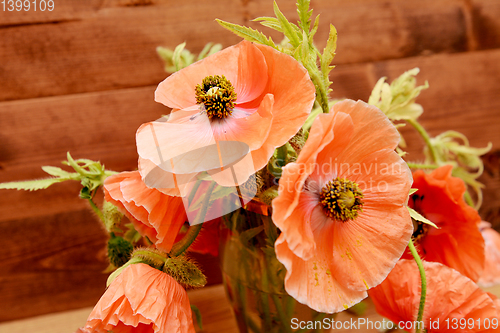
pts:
pixel 142 299
pixel 457 243
pixel 154 214
pixel 453 300
pixel 341 208
pixel 491 272
pixel 230 111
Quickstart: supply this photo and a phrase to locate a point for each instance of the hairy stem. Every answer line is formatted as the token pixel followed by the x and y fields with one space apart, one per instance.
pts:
pixel 424 284
pixel 181 246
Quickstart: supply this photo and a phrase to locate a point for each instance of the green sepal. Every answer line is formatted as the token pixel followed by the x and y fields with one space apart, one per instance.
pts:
pixel 119 250
pixel 416 216
pixel 115 274
pixel 185 272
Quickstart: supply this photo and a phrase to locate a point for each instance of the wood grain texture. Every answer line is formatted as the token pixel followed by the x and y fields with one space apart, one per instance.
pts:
pixel 105 45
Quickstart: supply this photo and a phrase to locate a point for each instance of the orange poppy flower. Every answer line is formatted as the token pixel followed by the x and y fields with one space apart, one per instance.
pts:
pixel 251 97
pixel 341 208
pixel 491 272
pixel 452 300
pixel 142 299
pixel 154 214
pixel 457 243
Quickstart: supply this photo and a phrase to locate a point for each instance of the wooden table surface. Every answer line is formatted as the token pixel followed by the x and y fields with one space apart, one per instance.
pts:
pixel 211 301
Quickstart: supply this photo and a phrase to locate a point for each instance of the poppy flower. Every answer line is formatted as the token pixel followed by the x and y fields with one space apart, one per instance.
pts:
pixel 142 299
pixel 341 208
pixel 452 299
pixel 229 113
pixel 154 214
pixel 491 272
pixel 457 243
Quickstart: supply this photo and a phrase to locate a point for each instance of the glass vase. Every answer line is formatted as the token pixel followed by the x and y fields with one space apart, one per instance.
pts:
pixel 254 279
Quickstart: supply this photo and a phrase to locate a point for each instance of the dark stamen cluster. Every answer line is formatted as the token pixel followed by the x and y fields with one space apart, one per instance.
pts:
pixel 341 199
pixel 217 95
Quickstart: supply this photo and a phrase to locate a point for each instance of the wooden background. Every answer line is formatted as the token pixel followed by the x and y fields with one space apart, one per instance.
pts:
pixel 81 79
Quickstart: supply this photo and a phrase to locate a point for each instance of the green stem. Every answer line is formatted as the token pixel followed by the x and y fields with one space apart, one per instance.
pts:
pixel 150 254
pixel 423 281
pixel 468 199
pixel 97 211
pixel 181 246
pixel 422 166
pixel 285 320
pixel 426 138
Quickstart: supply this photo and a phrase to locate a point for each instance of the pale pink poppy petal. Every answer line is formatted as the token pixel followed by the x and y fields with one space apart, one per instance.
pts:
pixel 311 281
pixel 243 65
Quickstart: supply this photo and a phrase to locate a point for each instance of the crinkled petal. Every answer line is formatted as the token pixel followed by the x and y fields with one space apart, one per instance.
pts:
pixel 142 299
pixel 450 295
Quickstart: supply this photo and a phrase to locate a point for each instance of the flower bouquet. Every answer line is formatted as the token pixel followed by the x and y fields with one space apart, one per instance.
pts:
pixel 310 203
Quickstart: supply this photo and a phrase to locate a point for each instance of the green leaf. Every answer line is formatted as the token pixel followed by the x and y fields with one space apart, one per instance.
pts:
pixel 247 235
pixel 413 190
pixel 197 316
pixel 329 52
pixel 209 49
pixel 31 185
pixel 304 14
pixel 176 58
pixel 270 22
pixel 57 172
pixel 247 33
pixel 288 30
pixel 416 216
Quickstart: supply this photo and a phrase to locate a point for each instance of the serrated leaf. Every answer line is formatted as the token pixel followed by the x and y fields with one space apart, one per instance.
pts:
pixel 416 216
pixel 413 190
pixel 247 33
pixel 57 172
pixel 375 95
pixel 31 185
pixel 314 29
pixel 209 49
pixel 270 22
pixel 329 51
pixel 304 14
pixel 288 30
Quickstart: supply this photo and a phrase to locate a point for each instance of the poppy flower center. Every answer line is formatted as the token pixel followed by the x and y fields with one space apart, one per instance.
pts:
pixel 217 95
pixel 419 228
pixel 341 199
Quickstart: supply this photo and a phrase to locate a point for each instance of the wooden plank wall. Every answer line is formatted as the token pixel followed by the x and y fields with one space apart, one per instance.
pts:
pixel 81 79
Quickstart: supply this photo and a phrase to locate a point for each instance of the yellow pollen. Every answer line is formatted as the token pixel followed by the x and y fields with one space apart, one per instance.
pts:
pixel 217 95
pixel 341 199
